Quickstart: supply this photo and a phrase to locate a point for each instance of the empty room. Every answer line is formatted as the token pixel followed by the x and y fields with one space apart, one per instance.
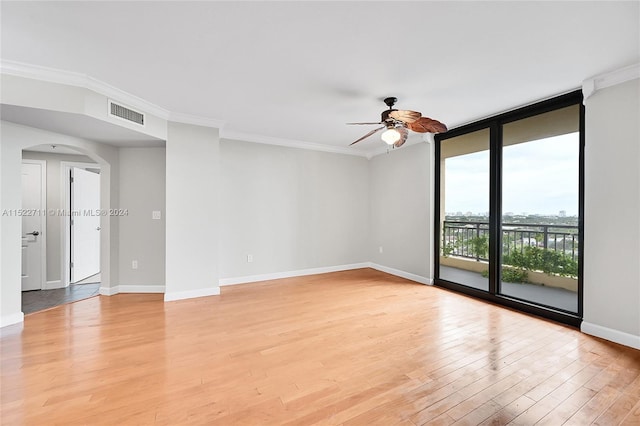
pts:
pixel 319 212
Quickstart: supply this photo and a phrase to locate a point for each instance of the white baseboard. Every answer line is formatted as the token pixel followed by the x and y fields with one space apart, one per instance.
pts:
pixel 190 294
pixel 289 274
pixel 6 320
pixel 108 291
pixel 610 334
pixel 140 288
pixel 124 288
pixel 52 285
pixel 324 270
pixel 401 274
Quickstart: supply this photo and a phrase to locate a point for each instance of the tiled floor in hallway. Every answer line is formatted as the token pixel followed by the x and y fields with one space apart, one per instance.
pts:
pixel 38 300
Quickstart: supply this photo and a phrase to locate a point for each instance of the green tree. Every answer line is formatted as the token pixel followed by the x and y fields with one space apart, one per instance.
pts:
pixel 480 246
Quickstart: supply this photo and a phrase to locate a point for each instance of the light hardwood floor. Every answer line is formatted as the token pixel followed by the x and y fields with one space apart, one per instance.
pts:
pixel 354 348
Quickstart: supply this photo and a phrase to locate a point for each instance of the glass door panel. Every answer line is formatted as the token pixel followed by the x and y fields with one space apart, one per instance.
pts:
pixel 464 209
pixel 540 208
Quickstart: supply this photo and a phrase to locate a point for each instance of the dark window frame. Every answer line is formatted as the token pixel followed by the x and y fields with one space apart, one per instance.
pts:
pixel 494 124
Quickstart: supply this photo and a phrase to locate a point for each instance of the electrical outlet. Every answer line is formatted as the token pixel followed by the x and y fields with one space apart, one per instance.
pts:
pixel 156 215
pixel 134 264
pixel 249 258
pixel 380 249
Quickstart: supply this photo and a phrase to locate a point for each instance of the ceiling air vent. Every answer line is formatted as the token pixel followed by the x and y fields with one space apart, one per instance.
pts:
pixel 126 113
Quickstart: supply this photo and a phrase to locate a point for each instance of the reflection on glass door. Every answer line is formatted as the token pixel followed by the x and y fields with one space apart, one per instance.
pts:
pixel 464 209
pixel 540 209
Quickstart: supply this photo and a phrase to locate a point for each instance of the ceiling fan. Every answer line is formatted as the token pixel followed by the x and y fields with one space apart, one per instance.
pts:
pixel 399 122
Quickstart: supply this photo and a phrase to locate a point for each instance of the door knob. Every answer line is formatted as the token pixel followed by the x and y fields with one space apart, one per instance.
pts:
pixel 34 233
pixel 98 228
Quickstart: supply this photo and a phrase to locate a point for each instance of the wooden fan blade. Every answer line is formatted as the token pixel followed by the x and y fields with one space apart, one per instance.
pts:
pixel 404 134
pixel 377 122
pixel 405 115
pixel 426 124
pixel 367 135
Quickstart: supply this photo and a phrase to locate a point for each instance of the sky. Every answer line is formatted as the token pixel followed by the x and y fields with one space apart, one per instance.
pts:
pixel 539 177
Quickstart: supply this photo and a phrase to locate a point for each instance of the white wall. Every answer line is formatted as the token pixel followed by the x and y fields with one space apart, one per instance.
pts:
pixel 10 227
pixel 14 139
pixel 291 209
pixel 612 214
pixel 54 201
pixel 401 217
pixel 142 191
pixel 192 181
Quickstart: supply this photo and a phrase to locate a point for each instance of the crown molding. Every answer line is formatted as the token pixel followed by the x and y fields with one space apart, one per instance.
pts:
pixel 290 143
pixel 69 78
pixel 429 138
pixel 195 120
pixel 36 72
pixel 612 78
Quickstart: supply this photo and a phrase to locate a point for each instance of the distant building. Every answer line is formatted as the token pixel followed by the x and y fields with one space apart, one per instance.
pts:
pixel 562 213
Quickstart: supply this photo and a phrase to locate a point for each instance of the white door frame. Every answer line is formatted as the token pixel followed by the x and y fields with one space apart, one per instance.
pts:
pixel 65 221
pixel 43 219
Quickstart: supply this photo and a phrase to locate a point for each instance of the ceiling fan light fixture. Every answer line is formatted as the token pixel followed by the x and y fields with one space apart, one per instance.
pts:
pixel 391 136
pixel 399 122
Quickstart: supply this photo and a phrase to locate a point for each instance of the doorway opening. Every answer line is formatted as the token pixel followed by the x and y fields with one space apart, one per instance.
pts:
pixel 64 213
pixel 82 230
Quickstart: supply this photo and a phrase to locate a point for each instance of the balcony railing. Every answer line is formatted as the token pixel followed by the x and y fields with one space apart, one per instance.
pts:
pixel 471 239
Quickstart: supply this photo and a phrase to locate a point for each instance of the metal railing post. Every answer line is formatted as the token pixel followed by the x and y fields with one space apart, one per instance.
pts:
pixel 477 242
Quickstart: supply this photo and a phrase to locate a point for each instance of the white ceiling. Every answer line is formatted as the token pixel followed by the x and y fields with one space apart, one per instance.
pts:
pixel 301 70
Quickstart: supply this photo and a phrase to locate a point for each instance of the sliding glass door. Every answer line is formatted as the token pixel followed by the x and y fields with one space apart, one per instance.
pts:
pixel 540 205
pixel 464 209
pixel 509 208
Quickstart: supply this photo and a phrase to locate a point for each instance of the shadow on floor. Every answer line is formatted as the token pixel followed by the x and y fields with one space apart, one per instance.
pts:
pixel 38 300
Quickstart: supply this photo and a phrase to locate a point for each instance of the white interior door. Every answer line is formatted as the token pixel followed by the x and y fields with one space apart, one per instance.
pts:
pixel 85 224
pixel 33 216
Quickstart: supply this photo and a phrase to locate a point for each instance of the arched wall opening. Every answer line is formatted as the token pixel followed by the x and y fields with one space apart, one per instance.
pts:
pixel 15 138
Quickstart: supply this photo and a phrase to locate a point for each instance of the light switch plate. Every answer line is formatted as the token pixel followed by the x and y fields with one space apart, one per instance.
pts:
pixel 156 215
